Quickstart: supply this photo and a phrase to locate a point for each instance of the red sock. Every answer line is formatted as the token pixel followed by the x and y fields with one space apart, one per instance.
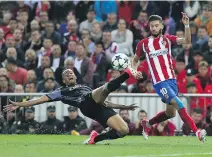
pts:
pixel 160 117
pixel 187 119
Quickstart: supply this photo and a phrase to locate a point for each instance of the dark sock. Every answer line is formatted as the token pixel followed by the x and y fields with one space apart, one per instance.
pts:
pixel 111 134
pixel 160 117
pixel 187 119
pixel 116 83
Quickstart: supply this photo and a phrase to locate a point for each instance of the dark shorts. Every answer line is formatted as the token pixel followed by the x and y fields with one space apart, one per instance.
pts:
pixel 96 111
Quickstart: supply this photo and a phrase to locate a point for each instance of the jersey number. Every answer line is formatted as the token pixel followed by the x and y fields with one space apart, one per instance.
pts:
pixel 163 91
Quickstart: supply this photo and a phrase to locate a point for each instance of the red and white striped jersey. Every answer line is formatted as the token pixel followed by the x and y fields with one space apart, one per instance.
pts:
pixel 158 56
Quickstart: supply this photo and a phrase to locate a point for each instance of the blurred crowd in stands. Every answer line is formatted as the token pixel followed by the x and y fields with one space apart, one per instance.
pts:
pixel 38 39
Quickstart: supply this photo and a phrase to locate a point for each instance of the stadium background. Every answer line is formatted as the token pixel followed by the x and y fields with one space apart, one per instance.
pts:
pixel 40 38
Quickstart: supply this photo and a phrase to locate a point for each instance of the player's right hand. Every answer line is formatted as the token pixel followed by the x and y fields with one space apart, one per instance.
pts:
pixel 11 107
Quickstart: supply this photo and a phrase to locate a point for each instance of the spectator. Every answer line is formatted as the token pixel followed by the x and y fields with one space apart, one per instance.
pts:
pixel 100 64
pixel 197 117
pixel 96 32
pixel 45 63
pixel 11 53
pixel 149 87
pixel 207 48
pixel 70 52
pixel 104 8
pixel 87 24
pixel 31 76
pixel 19 89
pixel 73 122
pixel 68 64
pixel 34 26
pixel 30 87
pixel 13 24
pixel 51 33
pixel 146 6
pixel 81 10
pixel 180 68
pixel 3 71
pixel 142 115
pixel 124 38
pixel 4 84
pixel 56 58
pixel 94 126
pixel 110 47
pixel 191 8
pixel 27 125
pixel 205 19
pixel 23 17
pixel 125 116
pixel 84 65
pixel 49 85
pixel 85 33
pixel 19 43
pixel 72 33
pixel 197 58
pixel 202 37
pixel 48 73
pixel 126 10
pixel 89 45
pixel 50 126
pixel 45 50
pixel 139 25
pixel 111 22
pixel 18 74
pixel 203 74
pixel 35 43
pixel 193 28
pixel 31 60
pixel 43 18
pixel 164 128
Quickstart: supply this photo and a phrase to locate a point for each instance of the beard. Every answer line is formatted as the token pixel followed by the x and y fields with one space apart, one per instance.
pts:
pixel 157 34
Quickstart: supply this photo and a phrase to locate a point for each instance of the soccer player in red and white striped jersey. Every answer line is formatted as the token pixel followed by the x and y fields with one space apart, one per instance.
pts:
pixel 157 49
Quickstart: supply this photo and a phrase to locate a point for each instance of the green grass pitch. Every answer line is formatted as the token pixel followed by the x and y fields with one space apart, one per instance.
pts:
pixel 132 146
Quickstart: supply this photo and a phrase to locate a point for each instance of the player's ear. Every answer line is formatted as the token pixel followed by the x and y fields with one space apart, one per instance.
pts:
pixel 162 26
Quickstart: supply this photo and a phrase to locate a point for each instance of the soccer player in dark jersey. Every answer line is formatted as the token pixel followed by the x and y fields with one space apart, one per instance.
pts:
pixel 92 103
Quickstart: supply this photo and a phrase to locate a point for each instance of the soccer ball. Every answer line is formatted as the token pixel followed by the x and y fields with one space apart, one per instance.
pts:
pixel 120 61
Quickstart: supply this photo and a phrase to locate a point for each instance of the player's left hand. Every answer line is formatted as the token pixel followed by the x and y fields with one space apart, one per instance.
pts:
pixel 185 18
pixel 131 107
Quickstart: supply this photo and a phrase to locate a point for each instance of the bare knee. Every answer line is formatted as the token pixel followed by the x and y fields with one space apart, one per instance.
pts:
pixel 171 111
pixel 123 130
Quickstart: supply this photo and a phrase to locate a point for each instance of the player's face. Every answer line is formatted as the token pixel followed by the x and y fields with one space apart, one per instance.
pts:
pixel 156 28
pixel 69 77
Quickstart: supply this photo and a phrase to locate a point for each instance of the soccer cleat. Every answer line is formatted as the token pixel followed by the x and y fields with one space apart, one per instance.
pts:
pixel 91 138
pixel 131 72
pixel 201 135
pixel 146 128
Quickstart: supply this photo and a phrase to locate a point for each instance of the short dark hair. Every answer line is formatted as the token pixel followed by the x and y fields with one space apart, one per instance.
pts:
pixel 99 43
pixel 180 59
pixel 144 11
pixel 30 82
pixel 123 110
pixel 197 110
pixel 155 18
pixel 142 111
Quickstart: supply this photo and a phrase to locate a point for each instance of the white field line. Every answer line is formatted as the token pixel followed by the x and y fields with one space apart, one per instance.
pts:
pixel 162 155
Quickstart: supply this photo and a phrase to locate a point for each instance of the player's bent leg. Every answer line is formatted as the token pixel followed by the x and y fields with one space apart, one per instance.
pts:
pixel 119 129
pixel 100 94
pixel 178 104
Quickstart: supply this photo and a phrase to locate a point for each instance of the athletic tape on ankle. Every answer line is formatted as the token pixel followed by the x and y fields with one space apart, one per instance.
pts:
pixel 179 102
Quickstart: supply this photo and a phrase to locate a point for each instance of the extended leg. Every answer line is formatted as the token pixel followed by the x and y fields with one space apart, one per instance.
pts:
pixel 100 94
pixel 119 129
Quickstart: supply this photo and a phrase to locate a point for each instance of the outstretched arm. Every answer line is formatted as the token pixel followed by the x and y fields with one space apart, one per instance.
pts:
pixel 118 106
pixel 14 105
pixel 187 38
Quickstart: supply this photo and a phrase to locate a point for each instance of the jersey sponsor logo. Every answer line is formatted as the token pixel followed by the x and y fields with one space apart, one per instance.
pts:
pixel 74 87
pixel 156 53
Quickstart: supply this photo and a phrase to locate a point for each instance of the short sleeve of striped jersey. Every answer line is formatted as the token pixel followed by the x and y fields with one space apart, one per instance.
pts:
pixel 139 49
pixel 172 38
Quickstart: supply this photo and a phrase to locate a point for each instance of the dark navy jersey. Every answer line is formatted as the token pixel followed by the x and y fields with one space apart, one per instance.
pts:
pixel 71 95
